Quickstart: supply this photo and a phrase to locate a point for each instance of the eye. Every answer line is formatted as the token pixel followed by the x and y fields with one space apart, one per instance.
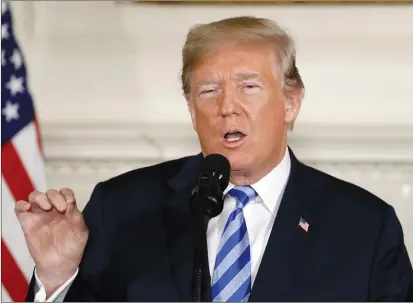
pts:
pixel 206 91
pixel 251 87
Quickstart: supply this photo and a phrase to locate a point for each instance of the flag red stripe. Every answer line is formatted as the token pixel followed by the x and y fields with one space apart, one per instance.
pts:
pixel 20 186
pixel 12 277
pixel 15 173
pixel 38 134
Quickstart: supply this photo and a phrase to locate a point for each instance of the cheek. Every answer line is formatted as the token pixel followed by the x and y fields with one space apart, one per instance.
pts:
pixel 206 119
pixel 269 119
pixel 206 109
pixel 266 108
pixel 206 123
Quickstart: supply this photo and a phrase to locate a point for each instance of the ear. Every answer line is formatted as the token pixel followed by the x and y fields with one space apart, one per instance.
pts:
pixel 191 110
pixel 293 105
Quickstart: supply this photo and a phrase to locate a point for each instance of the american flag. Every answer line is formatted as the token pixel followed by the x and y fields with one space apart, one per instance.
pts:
pixel 303 224
pixel 22 168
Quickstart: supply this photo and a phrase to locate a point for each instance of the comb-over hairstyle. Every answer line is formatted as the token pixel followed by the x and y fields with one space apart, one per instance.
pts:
pixel 206 38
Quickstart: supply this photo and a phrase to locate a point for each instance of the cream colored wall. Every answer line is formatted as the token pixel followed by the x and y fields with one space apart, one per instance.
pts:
pixel 98 61
pixel 105 80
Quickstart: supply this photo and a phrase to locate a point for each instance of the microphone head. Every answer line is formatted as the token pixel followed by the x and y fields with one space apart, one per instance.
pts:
pixel 217 165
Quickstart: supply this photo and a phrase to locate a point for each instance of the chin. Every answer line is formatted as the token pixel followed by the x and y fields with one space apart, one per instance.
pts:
pixel 238 160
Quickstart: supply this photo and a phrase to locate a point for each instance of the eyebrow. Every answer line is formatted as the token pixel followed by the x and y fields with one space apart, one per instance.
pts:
pixel 206 82
pixel 239 76
pixel 246 76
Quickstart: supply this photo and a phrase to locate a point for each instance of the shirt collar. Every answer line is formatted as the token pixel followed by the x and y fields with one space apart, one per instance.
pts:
pixel 270 188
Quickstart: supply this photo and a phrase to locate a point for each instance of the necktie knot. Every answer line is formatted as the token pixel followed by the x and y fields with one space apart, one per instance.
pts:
pixel 243 195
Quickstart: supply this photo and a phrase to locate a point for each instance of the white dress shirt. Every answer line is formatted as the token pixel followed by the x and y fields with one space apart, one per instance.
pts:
pixel 259 217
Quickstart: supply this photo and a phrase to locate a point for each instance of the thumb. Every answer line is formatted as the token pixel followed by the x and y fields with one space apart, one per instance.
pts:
pixel 21 209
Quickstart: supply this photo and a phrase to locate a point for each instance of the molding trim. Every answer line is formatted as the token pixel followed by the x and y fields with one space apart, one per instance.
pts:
pixel 152 143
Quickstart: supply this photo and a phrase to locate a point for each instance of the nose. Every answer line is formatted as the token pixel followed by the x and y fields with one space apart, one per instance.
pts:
pixel 229 103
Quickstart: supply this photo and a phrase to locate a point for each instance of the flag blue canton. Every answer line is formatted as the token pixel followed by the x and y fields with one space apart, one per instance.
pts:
pixel 16 102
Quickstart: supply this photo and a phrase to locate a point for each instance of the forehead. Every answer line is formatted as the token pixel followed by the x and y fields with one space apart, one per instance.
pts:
pixel 239 61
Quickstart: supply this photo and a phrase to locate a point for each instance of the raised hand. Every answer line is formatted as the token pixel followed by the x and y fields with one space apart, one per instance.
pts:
pixel 56 234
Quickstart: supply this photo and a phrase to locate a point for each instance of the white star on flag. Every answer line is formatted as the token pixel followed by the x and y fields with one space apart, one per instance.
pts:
pixel 4 31
pixel 15 85
pixel 3 60
pixel 10 111
pixel 303 224
pixel 22 152
pixel 3 7
pixel 16 59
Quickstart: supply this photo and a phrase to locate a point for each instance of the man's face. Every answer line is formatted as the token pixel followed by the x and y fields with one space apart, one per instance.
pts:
pixel 238 108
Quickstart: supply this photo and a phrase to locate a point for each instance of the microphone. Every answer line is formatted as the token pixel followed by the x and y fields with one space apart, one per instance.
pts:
pixel 207 202
pixel 213 180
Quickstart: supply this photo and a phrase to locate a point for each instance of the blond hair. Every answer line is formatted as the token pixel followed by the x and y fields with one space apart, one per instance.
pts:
pixel 205 38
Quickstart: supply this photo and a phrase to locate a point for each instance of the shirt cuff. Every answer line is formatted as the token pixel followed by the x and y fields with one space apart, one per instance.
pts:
pixel 58 295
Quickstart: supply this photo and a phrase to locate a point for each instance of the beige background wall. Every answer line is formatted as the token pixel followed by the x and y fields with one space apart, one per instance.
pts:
pixel 105 80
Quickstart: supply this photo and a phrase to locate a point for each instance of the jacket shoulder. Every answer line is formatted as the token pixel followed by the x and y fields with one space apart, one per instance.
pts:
pixel 138 189
pixel 156 173
pixel 346 194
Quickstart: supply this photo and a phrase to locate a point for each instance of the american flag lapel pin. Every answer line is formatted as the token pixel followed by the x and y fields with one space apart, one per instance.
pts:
pixel 303 224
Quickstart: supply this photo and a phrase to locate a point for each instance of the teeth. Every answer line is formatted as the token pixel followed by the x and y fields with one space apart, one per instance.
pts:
pixel 233 136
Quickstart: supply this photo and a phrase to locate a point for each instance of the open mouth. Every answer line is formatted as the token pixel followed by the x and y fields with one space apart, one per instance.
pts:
pixel 234 136
pixel 234 139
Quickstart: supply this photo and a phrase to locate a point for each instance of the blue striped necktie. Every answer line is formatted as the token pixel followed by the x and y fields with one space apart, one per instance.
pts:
pixel 231 280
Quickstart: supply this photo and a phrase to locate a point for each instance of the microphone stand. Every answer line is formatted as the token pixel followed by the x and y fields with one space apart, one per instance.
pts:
pixel 207 203
pixel 201 288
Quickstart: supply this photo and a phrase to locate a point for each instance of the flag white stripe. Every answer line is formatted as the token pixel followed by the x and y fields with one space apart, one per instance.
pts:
pixel 12 233
pixel 5 297
pixel 25 143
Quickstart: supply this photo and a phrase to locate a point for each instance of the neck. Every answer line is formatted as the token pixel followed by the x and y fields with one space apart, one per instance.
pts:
pixel 253 175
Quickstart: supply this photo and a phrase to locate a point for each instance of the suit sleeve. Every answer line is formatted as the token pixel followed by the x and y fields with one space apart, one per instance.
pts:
pixel 86 285
pixel 392 274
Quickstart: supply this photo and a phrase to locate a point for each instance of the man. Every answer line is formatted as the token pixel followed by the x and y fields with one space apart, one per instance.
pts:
pixel 287 231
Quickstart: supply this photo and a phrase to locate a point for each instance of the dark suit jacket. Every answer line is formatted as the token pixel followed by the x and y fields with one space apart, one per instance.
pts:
pixel 140 246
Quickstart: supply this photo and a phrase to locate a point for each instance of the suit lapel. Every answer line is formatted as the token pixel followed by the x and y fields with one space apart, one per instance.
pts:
pixel 177 221
pixel 286 247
